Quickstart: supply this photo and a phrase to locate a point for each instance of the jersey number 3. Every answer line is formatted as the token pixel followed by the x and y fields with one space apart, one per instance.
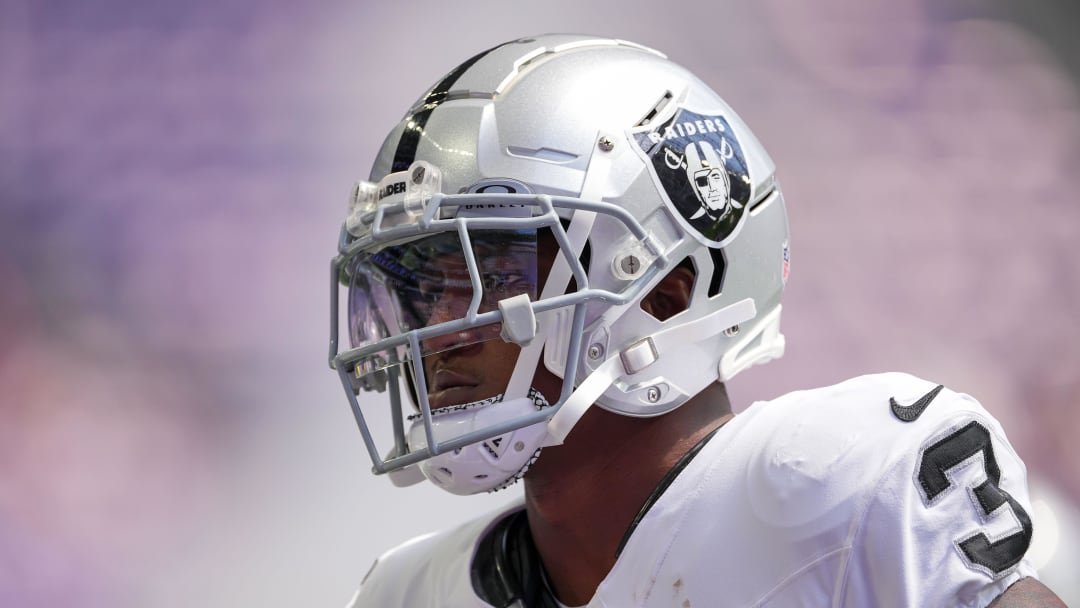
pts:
pixel 941 457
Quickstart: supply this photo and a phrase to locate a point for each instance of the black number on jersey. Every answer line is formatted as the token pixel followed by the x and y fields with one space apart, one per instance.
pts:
pixel 938 459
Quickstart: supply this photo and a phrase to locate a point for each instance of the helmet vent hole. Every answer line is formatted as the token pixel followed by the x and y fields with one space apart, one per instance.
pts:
pixel 550 155
pixel 673 293
pixel 758 205
pixel 656 109
pixel 716 281
pixel 480 476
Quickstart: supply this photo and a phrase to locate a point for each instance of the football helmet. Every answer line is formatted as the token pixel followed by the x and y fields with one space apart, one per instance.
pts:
pixel 627 163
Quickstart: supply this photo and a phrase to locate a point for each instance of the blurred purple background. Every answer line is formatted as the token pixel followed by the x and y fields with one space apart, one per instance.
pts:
pixel 172 181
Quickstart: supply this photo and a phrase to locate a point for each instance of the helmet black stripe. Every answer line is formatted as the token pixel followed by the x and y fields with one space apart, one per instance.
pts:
pixel 415 123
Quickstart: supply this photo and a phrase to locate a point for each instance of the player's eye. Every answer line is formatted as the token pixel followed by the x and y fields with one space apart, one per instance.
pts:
pixel 429 290
pixel 503 283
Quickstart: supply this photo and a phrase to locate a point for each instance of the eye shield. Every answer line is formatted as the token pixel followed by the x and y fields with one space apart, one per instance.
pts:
pixel 432 281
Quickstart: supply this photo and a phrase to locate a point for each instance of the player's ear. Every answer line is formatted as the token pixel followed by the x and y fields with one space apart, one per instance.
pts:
pixel 672 294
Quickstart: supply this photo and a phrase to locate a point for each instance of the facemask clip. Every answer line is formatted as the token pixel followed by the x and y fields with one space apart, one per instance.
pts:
pixel 519 321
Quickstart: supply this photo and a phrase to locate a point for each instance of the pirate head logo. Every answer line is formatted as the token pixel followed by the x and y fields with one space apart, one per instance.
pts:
pixel 705 170
pixel 699 168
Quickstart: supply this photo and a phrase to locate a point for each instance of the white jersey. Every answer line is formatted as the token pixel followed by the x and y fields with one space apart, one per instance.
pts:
pixel 830 497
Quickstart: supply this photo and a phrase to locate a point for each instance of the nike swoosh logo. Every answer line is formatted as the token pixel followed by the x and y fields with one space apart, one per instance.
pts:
pixel 908 413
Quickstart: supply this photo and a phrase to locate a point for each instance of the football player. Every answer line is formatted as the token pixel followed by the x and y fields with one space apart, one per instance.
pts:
pixel 533 280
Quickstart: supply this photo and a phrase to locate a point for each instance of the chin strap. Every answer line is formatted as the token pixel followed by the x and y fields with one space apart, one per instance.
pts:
pixel 586 394
pixel 705 328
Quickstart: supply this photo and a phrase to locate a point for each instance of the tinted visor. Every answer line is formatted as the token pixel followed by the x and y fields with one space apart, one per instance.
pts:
pixel 430 281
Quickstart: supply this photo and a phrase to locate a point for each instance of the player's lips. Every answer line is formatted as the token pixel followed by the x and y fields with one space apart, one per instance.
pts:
pixel 450 388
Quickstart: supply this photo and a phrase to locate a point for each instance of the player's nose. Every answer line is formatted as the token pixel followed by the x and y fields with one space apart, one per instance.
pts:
pixel 452 306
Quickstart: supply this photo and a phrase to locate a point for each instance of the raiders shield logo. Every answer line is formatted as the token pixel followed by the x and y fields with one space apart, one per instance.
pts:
pixel 699 168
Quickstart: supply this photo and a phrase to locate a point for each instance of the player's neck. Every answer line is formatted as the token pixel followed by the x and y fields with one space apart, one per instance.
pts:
pixel 581 497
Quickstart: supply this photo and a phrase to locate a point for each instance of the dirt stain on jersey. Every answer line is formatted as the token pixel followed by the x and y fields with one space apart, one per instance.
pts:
pixel 677 587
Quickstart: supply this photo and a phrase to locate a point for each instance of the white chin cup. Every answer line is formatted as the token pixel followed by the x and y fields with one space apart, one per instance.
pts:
pixel 489 465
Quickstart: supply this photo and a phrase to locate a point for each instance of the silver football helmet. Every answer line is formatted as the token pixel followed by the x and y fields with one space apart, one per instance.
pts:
pixel 630 165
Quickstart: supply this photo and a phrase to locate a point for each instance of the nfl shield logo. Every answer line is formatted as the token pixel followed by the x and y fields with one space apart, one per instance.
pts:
pixel 787 263
pixel 699 168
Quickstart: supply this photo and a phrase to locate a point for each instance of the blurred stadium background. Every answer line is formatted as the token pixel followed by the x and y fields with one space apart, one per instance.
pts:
pixel 172 180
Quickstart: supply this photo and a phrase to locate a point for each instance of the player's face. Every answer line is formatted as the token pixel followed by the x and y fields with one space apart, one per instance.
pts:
pixel 475 365
pixel 465 368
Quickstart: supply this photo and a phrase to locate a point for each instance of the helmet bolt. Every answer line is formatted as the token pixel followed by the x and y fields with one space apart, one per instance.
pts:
pixel 732 331
pixel 653 394
pixel 606 144
pixel 596 351
pixel 418 175
pixel 519 446
pixel 630 264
